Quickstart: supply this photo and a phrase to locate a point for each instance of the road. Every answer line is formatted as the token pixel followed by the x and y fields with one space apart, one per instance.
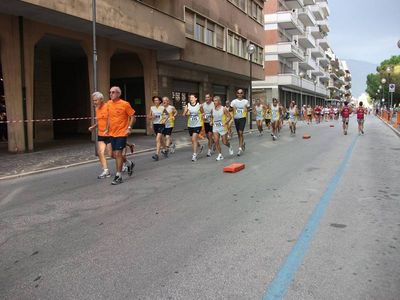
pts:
pixel 183 230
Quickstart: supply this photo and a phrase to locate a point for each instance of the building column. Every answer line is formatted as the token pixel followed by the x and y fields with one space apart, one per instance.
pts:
pixel 11 63
pixel 150 72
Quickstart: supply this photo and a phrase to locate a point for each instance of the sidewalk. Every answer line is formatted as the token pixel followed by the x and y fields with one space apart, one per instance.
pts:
pixel 71 152
pixel 68 152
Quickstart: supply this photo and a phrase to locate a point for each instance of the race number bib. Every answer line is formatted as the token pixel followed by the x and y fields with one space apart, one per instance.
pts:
pixel 218 123
pixel 239 111
pixel 194 118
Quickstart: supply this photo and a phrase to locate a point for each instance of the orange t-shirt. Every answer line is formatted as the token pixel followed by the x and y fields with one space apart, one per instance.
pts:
pixel 119 112
pixel 102 118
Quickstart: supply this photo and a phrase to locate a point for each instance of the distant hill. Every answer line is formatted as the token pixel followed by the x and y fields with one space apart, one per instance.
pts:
pixel 359 71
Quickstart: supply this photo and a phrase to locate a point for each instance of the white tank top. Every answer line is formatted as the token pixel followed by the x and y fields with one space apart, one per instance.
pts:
pixel 158 113
pixel 195 118
pixel 219 117
pixel 208 108
pixel 169 123
pixel 275 112
pixel 259 111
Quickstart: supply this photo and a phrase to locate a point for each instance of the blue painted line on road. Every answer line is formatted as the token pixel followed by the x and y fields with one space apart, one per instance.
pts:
pixel 279 286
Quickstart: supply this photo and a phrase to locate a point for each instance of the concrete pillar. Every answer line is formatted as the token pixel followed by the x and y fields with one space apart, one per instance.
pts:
pixel 11 63
pixel 150 70
pixel 43 106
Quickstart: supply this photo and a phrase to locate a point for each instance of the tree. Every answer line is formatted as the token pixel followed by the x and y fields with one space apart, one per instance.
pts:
pixel 374 80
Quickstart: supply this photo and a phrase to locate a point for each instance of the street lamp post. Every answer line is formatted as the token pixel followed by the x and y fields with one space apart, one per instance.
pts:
pixel 383 81
pixel 389 71
pixel 94 68
pixel 250 50
pixel 315 92
pixel 301 74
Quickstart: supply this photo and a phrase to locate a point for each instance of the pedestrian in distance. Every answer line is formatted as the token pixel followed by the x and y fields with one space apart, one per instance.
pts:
pixel 169 125
pixel 158 116
pixel 121 118
pixel 103 139
pixel 345 113
pixel 220 118
pixel 309 112
pixel 230 109
pixel 268 116
pixel 259 108
pixel 240 108
pixel 208 107
pixel 361 112
pixel 293 116
pixel 194 111
pixel 276 113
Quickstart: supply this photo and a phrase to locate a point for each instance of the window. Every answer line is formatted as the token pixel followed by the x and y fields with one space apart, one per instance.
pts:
pixel 237 44
pixel 255 11
pixel 239 3
pixel 204 30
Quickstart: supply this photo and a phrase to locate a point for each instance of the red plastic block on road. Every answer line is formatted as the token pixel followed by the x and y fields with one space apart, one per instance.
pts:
pixel 306 136
pixel 233 168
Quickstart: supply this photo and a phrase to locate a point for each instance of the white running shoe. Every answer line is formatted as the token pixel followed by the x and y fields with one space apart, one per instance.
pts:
pixel 230 150
pixel 104 174
pixel 172 148
pixel 219 157
pixel 240 151
pixel 194 157
pixel 209 153
pixel 124 167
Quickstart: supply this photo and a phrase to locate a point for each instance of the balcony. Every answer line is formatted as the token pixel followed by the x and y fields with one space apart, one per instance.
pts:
pixel 290 81
pixel 306 40
pixel 309 2
pixel 325 77
pixel 319 71
pixel 317 52
pixel 306 16
pixel 308 63
pixel 287 50
pixel 292 4
pixel 286 20
pixel 316 32
pixel 323 25
pixel 323 61
pixel 325 9
pixel 323 43
pixel 317 11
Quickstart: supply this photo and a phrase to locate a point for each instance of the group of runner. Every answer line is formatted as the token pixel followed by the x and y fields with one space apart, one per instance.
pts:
pixel 115 118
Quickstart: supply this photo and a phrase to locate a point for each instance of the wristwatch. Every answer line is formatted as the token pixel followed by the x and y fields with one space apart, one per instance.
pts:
pixel 129 127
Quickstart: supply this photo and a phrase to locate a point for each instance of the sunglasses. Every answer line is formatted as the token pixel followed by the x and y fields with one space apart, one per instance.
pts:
pixel 113 92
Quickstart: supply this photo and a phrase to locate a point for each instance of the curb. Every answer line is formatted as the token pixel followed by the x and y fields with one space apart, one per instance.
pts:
pixel 397 132
pixel 15 176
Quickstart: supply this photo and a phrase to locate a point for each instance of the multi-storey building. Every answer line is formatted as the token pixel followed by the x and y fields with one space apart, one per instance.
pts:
pixel 296 65
pixel 146 47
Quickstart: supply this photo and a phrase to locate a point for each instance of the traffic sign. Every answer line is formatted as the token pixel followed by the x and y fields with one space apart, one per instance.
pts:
pixel 392 88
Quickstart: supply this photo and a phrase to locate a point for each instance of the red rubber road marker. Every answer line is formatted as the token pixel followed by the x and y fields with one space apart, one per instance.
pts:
pixel 233 168
pixel 306 136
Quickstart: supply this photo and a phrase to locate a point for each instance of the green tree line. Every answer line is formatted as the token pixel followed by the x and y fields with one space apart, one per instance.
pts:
pixel 390 70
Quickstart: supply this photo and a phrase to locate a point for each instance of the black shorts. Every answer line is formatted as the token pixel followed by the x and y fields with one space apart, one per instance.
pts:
pixel 267 122
pixel 208 128
pixel 105 139
pixel 118 143
pixel 167 131
pixel 240 124
pixel 194 130
pixel 158 128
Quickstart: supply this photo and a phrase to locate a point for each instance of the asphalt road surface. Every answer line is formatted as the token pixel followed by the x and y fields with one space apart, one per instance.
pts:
pixel 306 219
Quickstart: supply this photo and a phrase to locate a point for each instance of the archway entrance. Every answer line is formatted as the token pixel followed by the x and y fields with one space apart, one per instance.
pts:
pixel 61 89
pixel 127 73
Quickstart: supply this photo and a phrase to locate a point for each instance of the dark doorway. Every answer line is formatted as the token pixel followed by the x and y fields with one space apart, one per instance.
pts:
pixel 61 89
pixel 127 73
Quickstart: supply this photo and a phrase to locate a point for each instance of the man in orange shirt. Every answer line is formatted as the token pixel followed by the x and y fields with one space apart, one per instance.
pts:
pixel 120 121
pixel 103 140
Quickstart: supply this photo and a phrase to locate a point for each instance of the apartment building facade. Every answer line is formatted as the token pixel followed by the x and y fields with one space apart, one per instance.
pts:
pixel 148 47
pixel 296 65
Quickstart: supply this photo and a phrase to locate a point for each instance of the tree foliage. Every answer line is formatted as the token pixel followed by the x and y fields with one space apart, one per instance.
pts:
pixel 374 79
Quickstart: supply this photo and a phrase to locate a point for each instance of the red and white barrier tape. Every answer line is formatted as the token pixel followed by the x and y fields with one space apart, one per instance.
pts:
pixel 53 120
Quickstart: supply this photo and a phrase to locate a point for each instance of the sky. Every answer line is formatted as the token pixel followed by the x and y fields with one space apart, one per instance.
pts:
pixel 366 30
